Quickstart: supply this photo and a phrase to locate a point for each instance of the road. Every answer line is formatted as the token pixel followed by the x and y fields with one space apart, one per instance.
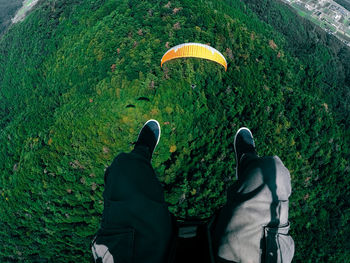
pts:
pixel 23 11
pixel 327 14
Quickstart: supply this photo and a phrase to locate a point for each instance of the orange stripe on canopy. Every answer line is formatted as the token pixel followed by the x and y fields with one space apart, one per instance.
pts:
pixel 194 50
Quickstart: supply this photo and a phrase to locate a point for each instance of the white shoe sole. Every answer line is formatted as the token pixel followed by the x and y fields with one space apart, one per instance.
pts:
pixel 234 145
pixel 158 128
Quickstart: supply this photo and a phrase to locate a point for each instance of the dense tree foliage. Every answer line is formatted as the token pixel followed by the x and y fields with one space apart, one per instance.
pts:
pixel 344 3
pixel 79 78
pixel 323 54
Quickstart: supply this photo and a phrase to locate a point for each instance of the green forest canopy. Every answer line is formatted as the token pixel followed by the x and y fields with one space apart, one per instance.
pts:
pixel 69 71
pixel 344 3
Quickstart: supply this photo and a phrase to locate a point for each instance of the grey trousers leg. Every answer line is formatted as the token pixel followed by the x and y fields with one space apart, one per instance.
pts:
pixel 253 225
pixel 136 224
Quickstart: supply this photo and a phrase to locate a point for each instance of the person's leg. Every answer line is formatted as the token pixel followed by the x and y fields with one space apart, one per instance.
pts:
pixel 253 225
pixel 136 224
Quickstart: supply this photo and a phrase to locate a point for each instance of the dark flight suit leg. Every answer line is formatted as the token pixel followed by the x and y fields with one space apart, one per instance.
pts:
pixel 136 224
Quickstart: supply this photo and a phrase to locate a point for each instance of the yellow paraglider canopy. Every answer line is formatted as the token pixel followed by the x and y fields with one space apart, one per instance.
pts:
pixel 194 50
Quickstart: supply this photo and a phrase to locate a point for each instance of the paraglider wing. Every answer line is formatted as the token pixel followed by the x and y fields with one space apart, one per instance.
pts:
pixel 195 50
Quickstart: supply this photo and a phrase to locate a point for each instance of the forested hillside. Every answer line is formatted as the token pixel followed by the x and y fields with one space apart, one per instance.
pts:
pixel 323 54
pixel 78 78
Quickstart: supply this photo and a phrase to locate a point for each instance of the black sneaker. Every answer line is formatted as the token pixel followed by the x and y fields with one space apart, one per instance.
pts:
pixel 149 135
pixel 243 143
